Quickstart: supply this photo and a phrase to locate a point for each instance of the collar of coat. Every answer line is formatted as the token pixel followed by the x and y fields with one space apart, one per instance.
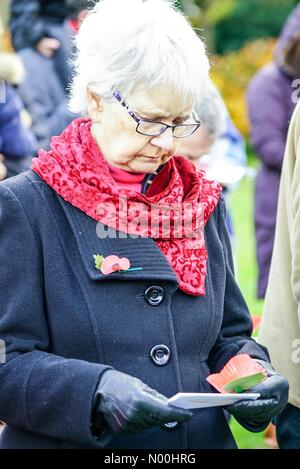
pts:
pixel 92 238
pixel 87 234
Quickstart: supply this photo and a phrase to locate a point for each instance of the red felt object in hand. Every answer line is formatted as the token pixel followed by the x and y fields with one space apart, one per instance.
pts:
pixel 238 367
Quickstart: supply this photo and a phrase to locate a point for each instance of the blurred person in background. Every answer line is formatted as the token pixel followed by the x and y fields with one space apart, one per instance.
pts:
pixel 17 142
pixel 212 113
pixel 43 91
pixel 38 24
pixel 270 105
pixel 280 327
pixel 217 146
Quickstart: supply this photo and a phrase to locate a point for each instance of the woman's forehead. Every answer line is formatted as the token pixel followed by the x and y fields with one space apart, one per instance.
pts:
pixel 160 101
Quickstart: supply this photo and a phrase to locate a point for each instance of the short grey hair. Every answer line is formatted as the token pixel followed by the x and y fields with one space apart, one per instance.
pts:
pixel 124 44
pixel 212 112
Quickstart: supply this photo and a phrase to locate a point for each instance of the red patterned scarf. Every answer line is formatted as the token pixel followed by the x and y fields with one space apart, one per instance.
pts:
pixel 173 211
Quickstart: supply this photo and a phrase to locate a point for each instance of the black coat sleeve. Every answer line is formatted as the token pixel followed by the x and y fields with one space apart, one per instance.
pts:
pixel 235 334
pixel 39 391
pixel 26 23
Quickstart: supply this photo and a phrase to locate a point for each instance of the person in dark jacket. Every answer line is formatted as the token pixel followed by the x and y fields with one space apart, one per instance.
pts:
pixel 44 97
pixel 43 90
pixel 272 86
pixel 31 21
pixel 17 142
pixel 40 25
pixel 117 284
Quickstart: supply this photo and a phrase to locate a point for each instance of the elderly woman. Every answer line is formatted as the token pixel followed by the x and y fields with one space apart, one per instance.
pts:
pixel 116 272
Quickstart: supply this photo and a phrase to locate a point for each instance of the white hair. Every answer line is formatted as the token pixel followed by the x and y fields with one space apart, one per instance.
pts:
pixel 123 44
pixel 212 112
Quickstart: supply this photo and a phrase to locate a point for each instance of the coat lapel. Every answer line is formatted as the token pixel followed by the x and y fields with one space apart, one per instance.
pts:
pixel 93 238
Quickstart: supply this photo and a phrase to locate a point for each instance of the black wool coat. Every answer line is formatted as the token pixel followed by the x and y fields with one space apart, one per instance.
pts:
pixel 64 324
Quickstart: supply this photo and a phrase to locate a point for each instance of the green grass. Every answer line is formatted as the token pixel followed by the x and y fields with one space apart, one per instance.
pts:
pixel 242 211
pixel 241 207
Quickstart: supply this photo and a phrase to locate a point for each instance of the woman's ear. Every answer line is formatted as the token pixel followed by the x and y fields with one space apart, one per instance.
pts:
pixel 95 106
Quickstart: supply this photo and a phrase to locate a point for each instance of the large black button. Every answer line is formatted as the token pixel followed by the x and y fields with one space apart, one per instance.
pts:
pixel 154 295
pixel 170 425
pixel 160 355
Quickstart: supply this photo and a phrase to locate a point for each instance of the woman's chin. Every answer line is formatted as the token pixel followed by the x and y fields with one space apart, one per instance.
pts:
pixel 148 165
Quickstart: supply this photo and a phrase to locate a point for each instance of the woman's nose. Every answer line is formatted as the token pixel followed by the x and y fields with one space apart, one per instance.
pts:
pixel 165 141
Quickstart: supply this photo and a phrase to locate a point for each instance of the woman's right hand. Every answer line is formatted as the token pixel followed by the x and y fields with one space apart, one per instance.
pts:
pixel 128 405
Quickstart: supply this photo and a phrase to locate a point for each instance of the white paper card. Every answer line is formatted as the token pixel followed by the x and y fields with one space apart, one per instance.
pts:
pixel 187 400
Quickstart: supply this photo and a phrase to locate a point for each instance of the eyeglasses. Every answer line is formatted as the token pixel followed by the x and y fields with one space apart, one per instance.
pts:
pixel 154 128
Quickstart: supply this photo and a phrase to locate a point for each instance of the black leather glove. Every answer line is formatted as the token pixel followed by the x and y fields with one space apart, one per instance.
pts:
pixel 128 405
pixel 256 415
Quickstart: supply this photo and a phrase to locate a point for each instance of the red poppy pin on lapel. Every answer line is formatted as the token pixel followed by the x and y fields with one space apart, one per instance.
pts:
pixel 108 265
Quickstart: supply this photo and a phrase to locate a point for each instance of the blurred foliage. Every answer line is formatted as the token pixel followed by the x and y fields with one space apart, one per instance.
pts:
pixel 228 24
pixel 6 43
pixel 250 19
pixel 217 10
pixel 4 7
pixel 232 73
pixel 208 12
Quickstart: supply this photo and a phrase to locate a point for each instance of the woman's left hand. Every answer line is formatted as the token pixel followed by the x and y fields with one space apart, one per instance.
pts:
pixel 256 415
